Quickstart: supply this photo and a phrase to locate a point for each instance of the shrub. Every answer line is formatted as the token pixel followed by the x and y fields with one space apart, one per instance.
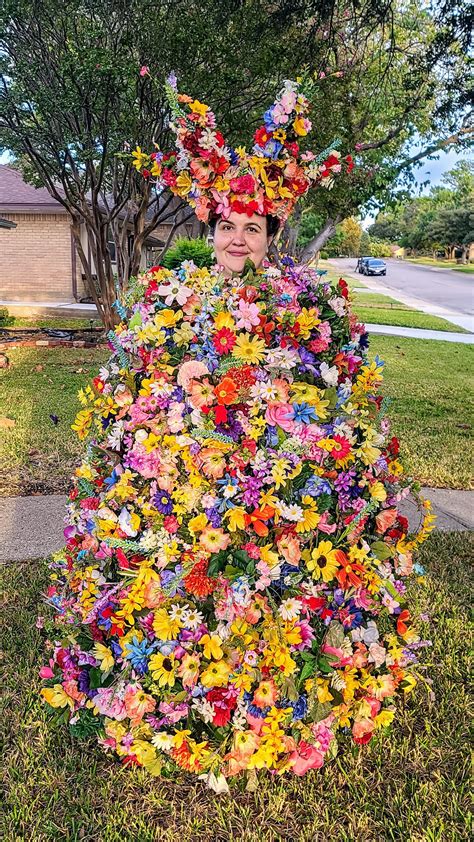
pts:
pixel 197 250
pixel 5 319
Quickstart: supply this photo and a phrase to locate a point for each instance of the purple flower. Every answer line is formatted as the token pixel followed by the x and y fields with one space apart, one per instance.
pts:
pixel 163 502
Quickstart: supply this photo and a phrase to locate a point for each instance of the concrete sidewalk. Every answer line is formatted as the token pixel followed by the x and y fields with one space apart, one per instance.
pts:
pixel 422 333
pixel 32 527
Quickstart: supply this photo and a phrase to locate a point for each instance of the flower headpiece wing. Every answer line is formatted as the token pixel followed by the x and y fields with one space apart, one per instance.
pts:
pixel 215 179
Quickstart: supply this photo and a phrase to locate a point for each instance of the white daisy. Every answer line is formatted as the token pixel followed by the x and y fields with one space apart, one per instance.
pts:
pixel 290 609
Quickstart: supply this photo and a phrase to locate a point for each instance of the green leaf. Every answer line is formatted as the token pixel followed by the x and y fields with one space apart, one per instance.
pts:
pixel 319 711
pixel 381 550
pixel 96 678
pixel 310 669
pixel 335 635
pixel 136 320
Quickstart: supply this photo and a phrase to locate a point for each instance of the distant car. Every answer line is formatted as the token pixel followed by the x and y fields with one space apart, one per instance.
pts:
pixel 374 266
pixel 360 263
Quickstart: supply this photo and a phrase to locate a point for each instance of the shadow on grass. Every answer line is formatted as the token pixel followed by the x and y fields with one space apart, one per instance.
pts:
pixel 412 785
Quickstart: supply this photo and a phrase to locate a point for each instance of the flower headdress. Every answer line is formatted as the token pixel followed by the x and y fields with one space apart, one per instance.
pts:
pixel 215 178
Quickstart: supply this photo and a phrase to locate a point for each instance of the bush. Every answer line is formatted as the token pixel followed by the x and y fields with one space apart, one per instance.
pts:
pixel 5 319
pixel 379 249
pixel 197 250
pixel 323 255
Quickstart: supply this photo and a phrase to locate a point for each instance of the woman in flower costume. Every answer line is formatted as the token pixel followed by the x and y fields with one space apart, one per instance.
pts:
pixel 231 596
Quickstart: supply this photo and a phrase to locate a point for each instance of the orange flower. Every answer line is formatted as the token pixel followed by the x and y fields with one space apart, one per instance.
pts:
pixel 347 574
pixel 402 619
pixel 256 520
pixel 226 391
pixel 265 695
pixel 211 461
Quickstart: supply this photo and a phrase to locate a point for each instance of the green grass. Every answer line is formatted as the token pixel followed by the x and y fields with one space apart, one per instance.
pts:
pixel 442 264
pixel 374 308
pixel 55 322
pixel 37 455
pixel 405 318
pixel 430 383
pixel 410 786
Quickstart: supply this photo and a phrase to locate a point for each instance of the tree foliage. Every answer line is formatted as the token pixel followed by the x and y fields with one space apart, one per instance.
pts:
pixel 72 101
pixel 442 220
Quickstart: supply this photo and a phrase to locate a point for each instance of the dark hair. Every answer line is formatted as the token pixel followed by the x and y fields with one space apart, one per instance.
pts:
pixel 273 224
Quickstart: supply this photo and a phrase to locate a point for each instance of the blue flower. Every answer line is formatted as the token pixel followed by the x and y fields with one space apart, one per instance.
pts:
pixel 304 413
pixel 268 120
pixel 300 707
pixel 112 479
pixel 138 653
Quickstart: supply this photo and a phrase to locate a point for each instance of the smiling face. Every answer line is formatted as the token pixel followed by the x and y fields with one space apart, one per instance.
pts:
pixel 240 238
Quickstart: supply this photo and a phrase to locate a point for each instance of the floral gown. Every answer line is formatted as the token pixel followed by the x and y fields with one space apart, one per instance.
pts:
pixel 231 596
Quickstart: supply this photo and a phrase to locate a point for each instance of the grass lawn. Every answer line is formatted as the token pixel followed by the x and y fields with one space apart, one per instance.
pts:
pixel 412 785
pixel 404 318
pixel 430 383
pixel 49 322
pixel 35 454
pixel 427 380
pixel 374 308
pixel 468 269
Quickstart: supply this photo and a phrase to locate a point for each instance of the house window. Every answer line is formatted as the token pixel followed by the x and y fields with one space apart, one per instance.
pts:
pixel 112 251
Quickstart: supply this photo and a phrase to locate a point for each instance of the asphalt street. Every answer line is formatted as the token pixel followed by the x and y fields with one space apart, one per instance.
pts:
pixel 441 287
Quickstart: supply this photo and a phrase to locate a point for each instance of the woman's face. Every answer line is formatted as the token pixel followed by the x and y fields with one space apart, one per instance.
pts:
pixel 240 238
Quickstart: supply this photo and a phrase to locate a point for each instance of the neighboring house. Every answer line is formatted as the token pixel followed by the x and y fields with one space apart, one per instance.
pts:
pixel 38 259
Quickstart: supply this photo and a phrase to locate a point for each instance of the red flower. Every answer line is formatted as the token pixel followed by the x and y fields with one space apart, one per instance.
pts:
pixel 262 136
pixel 342 449
pixel 243 184
pixel 244 207
pixel 220 414
pixel 264 329
pixel 197 582
pixel 223 341
pixel 171 523
pixel 293 148
pixel 402 620
pixel 224 701
pixel 343 288
pixel 350 163
pixel 242 377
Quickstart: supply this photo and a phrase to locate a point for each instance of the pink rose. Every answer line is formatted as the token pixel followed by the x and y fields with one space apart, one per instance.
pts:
pixel 306 757
pixel 280 415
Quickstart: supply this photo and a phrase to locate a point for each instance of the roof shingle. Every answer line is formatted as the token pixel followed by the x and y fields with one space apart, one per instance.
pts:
pixel 17 195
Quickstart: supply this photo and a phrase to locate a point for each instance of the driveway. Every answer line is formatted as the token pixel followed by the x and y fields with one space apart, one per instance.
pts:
pixel 444 288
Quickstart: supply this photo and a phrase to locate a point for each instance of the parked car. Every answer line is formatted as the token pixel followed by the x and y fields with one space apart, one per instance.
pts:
pixel 374 266
pixel 360 263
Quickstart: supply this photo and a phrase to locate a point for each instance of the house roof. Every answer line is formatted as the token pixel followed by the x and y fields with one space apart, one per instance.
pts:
pixel 17 196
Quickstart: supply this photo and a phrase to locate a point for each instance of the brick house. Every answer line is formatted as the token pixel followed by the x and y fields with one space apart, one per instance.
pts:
pixel 38 259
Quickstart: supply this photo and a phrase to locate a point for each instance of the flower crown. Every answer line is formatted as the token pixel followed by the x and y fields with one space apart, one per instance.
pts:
pixel 215 178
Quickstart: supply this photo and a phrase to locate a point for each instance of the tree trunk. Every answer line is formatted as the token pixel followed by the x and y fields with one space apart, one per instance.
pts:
pixel 320 239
